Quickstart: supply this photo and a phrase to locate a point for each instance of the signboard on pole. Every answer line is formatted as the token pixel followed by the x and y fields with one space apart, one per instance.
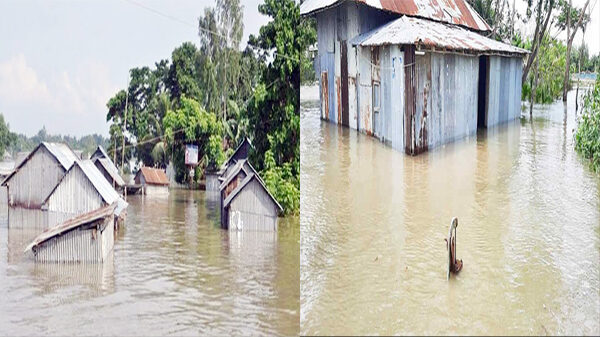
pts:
pixel 191 154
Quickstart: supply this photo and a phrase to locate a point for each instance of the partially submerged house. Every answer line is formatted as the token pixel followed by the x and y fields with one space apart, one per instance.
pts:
pixel 81 190
pixel 246 204
pixel 108 169
pixel 32 180
pixel 215 178
pixel 86 238
pixel 153 181
pixel 415 74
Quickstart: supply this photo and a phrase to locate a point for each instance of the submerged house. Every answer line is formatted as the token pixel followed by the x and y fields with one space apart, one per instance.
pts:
pixel 32 181
pixel 108 169
pixel 415 74
pixel 86 238
pixel 214 179
pixel 246 204
pixel 153 181
pixel 81 190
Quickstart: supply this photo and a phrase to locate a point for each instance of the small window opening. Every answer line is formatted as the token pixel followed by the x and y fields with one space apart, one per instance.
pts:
pixel 376 96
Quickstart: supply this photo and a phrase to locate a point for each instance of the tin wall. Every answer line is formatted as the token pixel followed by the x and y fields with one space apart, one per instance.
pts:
pixel 75 195
pixel 252 210
pixel 34 181
pixel 504 89
pixel 335 26
pixel 445 98
pixel 79 245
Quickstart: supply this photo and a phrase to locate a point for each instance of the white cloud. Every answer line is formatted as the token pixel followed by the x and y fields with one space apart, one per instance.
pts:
pixel 19 82
pixel 65 102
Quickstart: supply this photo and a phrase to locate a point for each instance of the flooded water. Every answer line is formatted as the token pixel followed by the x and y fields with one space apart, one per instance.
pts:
pixel 373 257
pixel 173 271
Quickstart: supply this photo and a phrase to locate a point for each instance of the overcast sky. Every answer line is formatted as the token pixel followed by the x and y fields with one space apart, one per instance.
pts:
pixel 60 61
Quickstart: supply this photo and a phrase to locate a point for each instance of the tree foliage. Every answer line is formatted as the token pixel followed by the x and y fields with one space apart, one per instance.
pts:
pixel 587 136
pixel 7 138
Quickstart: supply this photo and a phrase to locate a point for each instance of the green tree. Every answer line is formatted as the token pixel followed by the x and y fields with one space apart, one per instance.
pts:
pixel 191 124
pixel 276 102
pixel 7 138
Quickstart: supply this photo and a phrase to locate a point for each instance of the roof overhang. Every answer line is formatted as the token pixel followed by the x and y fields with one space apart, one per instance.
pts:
pixel 435 36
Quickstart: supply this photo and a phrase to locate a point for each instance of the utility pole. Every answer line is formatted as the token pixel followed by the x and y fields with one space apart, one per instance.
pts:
pixel 124 128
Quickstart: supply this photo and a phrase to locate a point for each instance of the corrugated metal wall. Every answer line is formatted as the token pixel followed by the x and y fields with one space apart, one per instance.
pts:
pixel 252 210
pixel 334 26
pixel 32 183
pixel 504 89
pixel 157 190
pixel 451 97
pixel 19 217
pixel 78 245
pixel 75 195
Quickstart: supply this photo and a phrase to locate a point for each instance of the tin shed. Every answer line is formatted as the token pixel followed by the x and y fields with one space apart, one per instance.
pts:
pixel 85 238
pixel 81 190
pixel 246 204
pixel 154 181
pixel 33 179
pixel 415 74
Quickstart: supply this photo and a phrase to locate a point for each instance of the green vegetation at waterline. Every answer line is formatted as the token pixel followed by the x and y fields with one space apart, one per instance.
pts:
pixel 587 136
pixel 551 61
pixel 213 95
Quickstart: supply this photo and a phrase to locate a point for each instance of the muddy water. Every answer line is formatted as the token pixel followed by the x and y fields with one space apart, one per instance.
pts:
pixel 373 256
pixel 173 271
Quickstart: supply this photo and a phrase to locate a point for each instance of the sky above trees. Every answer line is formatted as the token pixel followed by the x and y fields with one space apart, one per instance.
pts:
pixel 60 61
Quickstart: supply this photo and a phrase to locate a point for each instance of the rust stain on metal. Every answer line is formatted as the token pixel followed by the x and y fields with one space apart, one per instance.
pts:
pixel 338 92
pixel 409 99
pixel 449 11
pixel 325 96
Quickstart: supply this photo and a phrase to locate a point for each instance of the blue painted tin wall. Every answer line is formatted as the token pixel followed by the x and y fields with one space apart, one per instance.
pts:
pixel 504 89
pixel 446 98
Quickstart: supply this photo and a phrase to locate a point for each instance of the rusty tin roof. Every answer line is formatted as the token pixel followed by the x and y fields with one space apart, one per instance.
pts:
pixel 433 35
pixel 154 176
pixel 457 12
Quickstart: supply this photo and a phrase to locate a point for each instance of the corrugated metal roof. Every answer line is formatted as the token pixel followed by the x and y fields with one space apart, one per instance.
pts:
pixel 243 184
pixel 154 176
pixel 107 192
pixel 408 30
pixel 63 153
pixel 72 223
pixel 108 166
pixel 238 166
pixel 105 155
pixel 457 12
pixel 229 161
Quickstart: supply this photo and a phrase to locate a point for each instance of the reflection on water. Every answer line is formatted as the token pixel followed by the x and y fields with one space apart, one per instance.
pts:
pixel 173 271
pixel 373 224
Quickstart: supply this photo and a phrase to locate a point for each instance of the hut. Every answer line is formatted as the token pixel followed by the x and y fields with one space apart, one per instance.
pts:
pixel 153 181
pixel 108 169
pixel 246 204
pixel 415 74
pixel 86 238
pixel 32 180
pixel 81 190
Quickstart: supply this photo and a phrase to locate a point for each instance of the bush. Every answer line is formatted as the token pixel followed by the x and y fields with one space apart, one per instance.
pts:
pixel 282 184
pixel 587 137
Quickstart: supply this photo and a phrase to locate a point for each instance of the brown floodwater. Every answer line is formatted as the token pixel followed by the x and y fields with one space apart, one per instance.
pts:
pixel 173 271
pixel 373 257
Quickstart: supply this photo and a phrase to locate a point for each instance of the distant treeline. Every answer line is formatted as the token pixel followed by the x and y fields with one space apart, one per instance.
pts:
pixel 14 143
